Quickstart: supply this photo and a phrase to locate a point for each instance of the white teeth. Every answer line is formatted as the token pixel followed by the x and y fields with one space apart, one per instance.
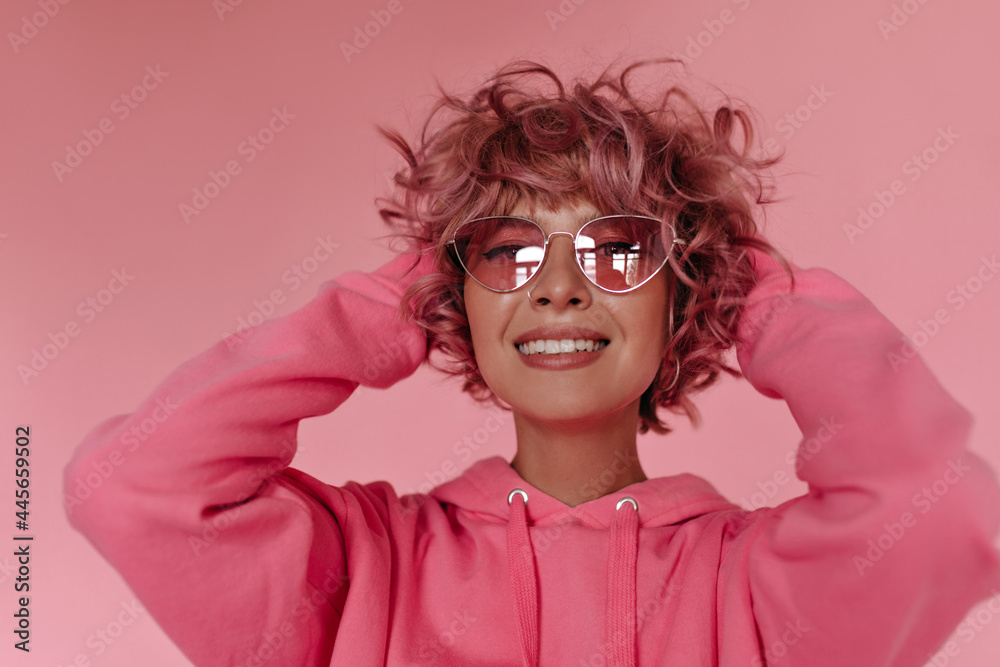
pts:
pixel 562 346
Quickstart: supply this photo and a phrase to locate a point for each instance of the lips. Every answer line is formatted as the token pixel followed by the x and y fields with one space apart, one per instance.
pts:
pixel 562 361
pixel 560 333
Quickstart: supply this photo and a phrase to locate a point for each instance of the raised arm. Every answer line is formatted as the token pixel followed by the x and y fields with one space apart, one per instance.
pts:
pixel 232 554
pixel 892 544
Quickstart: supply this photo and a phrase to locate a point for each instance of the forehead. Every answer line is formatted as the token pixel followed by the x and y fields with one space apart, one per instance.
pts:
pixel 569 215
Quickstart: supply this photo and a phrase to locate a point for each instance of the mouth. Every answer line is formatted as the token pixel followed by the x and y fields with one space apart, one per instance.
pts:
pixel 549 346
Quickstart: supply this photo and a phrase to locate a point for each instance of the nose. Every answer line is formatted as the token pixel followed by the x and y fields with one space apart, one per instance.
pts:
pixel 560 280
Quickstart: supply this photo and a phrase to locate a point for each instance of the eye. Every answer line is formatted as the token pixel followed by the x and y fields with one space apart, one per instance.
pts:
pixel 618 248
pixel 508 252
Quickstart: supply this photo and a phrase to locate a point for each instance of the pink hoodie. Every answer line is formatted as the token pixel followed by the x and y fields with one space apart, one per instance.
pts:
pixel 245 561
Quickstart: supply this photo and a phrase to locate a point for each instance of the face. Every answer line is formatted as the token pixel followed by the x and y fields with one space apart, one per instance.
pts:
pixel 633 323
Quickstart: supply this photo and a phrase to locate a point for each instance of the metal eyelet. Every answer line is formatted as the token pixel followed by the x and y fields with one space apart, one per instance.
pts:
pixel 523 495
pixel 626 499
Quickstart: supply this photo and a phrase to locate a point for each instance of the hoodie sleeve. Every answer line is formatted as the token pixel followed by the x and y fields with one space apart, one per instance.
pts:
pixel 892 544
pixel 189 497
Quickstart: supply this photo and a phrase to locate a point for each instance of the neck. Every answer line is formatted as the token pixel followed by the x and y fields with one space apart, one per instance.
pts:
pixel 580 460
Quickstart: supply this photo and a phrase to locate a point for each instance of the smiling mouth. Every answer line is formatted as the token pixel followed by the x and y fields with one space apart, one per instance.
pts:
pixel 563 346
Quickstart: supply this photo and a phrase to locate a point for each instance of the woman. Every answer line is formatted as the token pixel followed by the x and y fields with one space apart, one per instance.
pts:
pixel 580 258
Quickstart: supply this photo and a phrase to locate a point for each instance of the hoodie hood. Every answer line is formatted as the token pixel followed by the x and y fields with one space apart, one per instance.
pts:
pixel 484 487
pixel 495 492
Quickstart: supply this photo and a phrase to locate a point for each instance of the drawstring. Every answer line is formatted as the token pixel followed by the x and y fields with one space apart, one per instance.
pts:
pixel 621 585
pixel 620 616
pixel 523 579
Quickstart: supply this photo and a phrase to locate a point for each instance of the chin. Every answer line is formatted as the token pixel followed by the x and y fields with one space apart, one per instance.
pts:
pixel 568 410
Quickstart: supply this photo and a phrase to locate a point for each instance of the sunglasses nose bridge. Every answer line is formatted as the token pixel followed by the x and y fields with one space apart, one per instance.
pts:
pixel 548 251
pixel 548 241
pixel 572 237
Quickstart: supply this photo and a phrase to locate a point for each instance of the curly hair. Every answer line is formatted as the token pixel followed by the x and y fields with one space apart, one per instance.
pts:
pixel 508 143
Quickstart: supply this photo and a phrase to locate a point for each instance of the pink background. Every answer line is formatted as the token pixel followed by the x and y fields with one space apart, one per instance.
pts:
pixel 886 97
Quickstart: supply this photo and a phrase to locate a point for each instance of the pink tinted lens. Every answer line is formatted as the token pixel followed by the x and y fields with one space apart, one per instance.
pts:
pixel 621 252
pixel 617 253
pixel 501 253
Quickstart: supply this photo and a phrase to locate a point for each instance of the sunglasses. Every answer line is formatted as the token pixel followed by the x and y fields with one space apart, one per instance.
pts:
pixel 617 253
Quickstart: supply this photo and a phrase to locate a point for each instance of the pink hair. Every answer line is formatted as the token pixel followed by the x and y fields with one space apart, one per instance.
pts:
pixel 508 144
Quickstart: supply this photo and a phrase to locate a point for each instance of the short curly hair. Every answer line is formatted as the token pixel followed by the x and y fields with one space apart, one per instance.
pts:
pixel 508 144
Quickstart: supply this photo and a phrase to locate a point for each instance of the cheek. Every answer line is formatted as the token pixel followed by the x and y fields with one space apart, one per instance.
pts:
pixel 485 311
pixel 474 310
pixel 476 323
pixel 650 334
pixel 652 320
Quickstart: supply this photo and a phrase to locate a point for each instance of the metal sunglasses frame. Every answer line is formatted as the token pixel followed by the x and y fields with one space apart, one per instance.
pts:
pixel 576 250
